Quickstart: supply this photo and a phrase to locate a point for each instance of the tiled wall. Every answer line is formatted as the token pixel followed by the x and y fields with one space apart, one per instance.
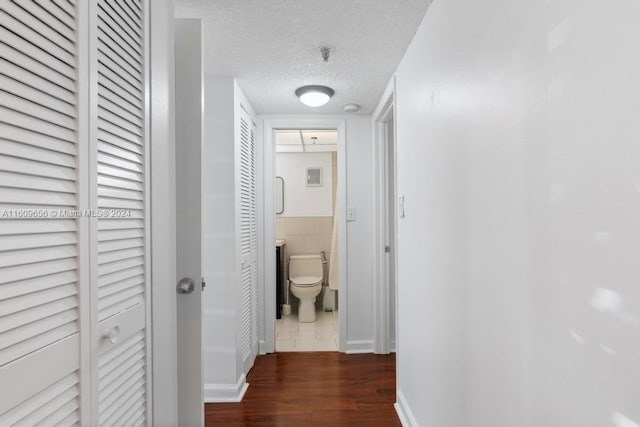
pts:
pixel 305 235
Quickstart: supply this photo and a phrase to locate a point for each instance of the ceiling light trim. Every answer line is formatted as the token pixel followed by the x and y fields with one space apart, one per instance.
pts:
pixel 314 95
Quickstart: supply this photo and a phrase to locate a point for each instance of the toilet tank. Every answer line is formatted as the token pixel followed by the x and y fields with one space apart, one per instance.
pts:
pixel 305 265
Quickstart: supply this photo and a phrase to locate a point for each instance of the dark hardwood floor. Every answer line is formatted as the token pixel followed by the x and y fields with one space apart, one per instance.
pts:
pixel 314 389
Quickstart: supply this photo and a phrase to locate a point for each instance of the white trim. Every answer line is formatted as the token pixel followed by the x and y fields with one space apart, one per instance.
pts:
pixel 404 412
pixel 381 311
pixel 163 212
pixel 218 393
pixel 359 346
pixel 266 220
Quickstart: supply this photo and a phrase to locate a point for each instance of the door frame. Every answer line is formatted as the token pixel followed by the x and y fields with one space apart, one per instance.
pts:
pixel 267 221
pixel 384 113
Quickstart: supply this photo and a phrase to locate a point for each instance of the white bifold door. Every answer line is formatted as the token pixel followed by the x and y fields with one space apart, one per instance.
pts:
pixel 248 241
pixel 74 213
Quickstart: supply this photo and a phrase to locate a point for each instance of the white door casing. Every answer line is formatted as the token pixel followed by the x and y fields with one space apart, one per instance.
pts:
pixel 268 222
pixel 384 227
pixel 74 286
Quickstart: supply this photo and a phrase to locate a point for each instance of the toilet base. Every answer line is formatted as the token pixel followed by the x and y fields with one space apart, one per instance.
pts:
pixel 307 310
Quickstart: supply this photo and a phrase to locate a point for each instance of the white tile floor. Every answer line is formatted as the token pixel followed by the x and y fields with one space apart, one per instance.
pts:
pixel 321 335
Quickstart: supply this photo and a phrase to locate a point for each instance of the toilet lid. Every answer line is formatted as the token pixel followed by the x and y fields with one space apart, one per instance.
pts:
pixel 305 280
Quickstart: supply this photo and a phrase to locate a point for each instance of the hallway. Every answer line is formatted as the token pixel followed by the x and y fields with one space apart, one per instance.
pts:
pixel 335 390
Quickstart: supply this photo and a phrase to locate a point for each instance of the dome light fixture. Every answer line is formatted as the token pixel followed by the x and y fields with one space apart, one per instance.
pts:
pixel 314 95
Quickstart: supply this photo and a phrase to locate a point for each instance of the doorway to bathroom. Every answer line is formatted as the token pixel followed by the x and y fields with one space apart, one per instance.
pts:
pixel 306 180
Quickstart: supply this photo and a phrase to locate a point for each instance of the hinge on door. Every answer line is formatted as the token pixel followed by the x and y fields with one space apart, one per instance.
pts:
pixel 387 249
pixel 204 284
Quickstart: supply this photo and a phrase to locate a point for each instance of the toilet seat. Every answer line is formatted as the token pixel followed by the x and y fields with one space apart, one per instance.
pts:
pixel 305 280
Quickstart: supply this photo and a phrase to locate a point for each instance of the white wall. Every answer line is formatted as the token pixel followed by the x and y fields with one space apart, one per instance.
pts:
pixel 218 243
pixel 518 154
pixel 359 240
pixel 299 199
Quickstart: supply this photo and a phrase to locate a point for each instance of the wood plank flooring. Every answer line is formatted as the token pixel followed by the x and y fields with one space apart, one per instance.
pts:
pixel 314 389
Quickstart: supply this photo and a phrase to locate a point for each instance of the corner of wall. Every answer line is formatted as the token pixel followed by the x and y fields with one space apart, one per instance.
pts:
pixel 404 412
pixel 219 393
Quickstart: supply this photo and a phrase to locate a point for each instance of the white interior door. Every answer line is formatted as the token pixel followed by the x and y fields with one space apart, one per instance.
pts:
pixel 248 242
pixel 189 134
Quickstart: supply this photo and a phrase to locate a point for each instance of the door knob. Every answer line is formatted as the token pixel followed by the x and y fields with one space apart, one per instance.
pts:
pixel 112 335
pixel 185 286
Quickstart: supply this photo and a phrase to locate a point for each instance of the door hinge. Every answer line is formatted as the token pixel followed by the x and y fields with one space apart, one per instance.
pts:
pixel 204 284
pixel 387 249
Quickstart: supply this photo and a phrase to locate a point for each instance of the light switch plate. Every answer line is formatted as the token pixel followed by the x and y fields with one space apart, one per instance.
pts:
pixel 401 206
pixel 351 214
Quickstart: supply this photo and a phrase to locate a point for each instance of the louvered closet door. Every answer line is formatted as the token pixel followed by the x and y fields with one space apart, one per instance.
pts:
pixel 248 241
pixel 121 236
pixel 39 260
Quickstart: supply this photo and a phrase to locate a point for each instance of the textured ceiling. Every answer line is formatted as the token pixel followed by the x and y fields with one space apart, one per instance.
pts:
pixel 272 47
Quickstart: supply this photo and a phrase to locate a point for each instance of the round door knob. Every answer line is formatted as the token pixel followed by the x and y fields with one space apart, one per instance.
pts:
pixel 112 335
pixel 186 286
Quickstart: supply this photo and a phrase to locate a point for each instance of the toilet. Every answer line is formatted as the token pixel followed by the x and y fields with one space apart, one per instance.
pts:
pixel 305 283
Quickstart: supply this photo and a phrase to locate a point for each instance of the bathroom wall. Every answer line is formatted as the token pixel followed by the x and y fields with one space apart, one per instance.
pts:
pixel 301 200
pixel 305 235
pixel 517 138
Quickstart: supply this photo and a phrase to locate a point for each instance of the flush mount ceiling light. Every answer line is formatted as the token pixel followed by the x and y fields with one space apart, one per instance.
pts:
pixel 314 95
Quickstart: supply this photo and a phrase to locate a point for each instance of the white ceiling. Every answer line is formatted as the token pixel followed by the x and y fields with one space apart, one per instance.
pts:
pixel 272 47
pixel 306 141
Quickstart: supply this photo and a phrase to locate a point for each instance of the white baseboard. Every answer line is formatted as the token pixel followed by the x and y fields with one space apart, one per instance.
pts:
pixel 360 346
pixel 218 393
pixel 404 412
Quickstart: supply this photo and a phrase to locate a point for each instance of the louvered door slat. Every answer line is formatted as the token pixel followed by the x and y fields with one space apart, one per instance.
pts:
pixel 37 183
pixel 31 79
pixel 109 19
pixel 114 172
pixel 59 401
pixel 18 14
pixel 131 19
pixel 34 66
pixel 113 38
pixel 36 153
pixel 45 100
pixel 45 16
pixel 47 41
pixel 111 92
pixel 30 49
pixel 120 111
pixel 35 312
pixel 33 123
pixel 36 139
pixel 123 364
pixel 60 13
pixel 67 6
pixel 125 71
